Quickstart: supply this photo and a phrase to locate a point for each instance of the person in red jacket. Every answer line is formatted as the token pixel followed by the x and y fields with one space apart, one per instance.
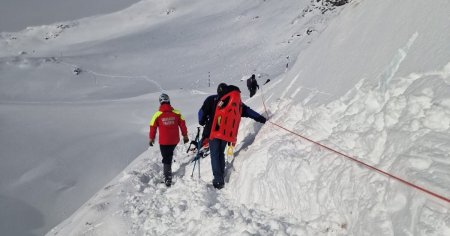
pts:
pixel 168 121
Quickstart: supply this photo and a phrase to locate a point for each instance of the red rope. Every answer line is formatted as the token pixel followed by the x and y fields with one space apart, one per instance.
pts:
pixel 354 159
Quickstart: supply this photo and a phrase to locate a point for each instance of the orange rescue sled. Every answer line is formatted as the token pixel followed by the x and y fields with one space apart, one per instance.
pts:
pixel 227 117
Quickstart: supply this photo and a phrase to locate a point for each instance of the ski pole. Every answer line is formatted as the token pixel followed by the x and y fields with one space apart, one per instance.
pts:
pixel 199 145
pixel 195 141
pixel 192 174
pixel 196 156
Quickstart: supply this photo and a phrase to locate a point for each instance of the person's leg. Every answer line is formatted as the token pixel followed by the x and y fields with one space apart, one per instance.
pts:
pixel 214 150
pixel 217 149
pixel 167 154
pixel 223 145
pixel 168 174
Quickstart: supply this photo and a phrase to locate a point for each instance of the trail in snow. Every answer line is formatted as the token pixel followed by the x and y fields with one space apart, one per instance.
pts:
pixel 83 69
pixel 69 86
pixel 143 206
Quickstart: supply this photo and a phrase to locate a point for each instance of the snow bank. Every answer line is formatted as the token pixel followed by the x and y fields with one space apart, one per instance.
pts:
pixel 394 116
pixel 403 131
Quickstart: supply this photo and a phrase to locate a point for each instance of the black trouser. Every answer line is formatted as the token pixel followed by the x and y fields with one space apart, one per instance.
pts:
pixel 167 154
pixel 252 92
pixel 217 149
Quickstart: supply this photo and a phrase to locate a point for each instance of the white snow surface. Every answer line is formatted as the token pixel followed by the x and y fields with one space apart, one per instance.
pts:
pixel 16 15
pixel 369 79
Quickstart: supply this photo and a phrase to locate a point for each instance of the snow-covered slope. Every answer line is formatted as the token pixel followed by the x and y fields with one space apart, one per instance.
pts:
pixel 374 85
pixel 64 136
pixel 371 82
pixel 17 15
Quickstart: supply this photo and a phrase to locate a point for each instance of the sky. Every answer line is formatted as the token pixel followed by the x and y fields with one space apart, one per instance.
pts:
pixel 367 79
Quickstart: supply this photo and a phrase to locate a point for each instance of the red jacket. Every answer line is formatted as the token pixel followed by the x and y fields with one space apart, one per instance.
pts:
pixel 168 120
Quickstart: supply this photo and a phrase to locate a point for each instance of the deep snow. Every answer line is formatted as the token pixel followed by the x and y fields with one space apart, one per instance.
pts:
pixel 370 79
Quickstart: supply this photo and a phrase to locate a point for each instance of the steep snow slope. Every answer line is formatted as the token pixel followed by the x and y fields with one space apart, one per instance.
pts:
pixel 64 136
pixel 376 42
pixel 393 59
pixel 373 85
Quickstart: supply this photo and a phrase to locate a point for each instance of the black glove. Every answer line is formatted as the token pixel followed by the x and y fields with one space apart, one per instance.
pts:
pixel 152 141
pixel 261 119
pixel 185 139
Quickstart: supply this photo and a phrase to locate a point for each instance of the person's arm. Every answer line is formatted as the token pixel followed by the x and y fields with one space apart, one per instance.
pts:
pixel 201 117
pixel 183 128
pixel 250 113
pixel 153 127
pixel 204 111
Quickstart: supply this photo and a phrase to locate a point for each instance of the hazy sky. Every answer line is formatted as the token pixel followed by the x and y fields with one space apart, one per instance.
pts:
pixel 16 15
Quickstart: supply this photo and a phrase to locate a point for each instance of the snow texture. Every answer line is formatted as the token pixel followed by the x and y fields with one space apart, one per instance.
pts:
pixel 369 79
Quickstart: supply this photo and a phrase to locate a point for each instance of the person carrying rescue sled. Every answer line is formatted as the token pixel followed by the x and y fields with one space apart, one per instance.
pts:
pixel 252 85
pixel 168 121
pixel 221 115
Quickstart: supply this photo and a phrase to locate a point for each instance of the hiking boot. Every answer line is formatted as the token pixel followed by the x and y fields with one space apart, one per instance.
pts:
pixel 168 181
pixel 168 174
pixel 218 185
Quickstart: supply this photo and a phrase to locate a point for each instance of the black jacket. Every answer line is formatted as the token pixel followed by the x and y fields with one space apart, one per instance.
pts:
pixel 252 84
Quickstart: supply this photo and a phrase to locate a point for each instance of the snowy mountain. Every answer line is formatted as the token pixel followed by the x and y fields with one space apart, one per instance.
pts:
pixel 353 89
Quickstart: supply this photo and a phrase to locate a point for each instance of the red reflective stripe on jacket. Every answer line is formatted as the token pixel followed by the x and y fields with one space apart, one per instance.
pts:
pixel 168 121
